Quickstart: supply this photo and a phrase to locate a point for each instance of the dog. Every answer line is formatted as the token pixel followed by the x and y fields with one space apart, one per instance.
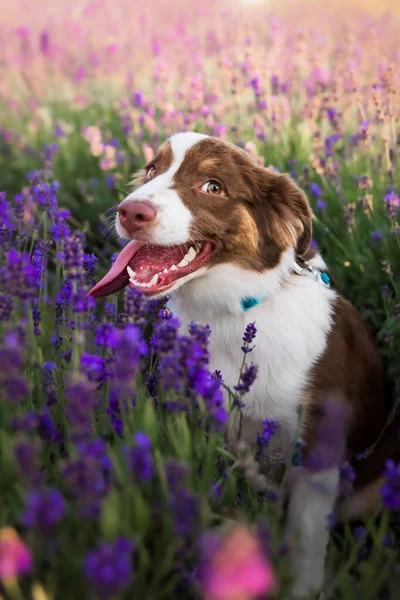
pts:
pixel 229 242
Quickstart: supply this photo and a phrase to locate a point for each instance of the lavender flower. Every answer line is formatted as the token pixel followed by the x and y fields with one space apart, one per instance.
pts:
pixel 109 568
pixel 107 336
pixel 44 510
pixel 88 479
pixel 48 382
pixel 6 307
pixel 26 456
pixel 89 266
pixel 36 316
pixel 95 368
pixel 72 256
pixel 247 378
pixel 139 457
pixel 167 334
pixel 184 507
pixel 248 337
pixel 390 491
pixel 18 276
pixel 315 190
pixel 377 236
pixel 136 305
pixel 263 439
pixel 81 400
pixel 330 435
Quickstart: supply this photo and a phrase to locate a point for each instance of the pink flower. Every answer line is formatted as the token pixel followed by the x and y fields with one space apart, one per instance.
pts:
pixel 148 152
pixel 15 558
pixel 238 570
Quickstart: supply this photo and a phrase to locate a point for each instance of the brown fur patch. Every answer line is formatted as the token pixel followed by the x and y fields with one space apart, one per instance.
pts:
pixel 258 216
pixel 352 366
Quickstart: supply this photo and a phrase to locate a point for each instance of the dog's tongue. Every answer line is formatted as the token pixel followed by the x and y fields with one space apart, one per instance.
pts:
pixel 117 277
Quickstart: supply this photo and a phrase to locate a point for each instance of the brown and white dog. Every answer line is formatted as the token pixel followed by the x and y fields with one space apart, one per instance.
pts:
pixel 210 228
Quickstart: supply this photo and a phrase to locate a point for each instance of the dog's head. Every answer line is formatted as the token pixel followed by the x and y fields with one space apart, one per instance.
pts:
pixel 202 203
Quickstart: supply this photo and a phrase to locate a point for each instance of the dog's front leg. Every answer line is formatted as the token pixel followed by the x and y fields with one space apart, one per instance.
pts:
pixel 312 498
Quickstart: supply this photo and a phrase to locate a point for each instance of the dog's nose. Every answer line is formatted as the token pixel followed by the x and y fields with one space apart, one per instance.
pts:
pixel 135 214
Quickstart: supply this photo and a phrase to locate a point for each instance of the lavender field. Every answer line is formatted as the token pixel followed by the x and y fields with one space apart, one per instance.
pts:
pixel 115 478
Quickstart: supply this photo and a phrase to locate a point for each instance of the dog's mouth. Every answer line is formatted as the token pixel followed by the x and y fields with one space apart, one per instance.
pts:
pixel 153 269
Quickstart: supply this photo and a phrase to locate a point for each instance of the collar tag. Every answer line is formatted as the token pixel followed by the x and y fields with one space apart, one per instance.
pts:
pixel 320 276
pixel 248 302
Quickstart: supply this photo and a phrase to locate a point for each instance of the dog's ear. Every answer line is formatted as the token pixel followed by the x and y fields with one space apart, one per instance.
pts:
pixel 299 211
pixel 282 211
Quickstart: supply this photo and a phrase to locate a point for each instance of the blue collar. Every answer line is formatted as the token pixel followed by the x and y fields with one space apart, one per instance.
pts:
pixel 248 302
pixel 322 276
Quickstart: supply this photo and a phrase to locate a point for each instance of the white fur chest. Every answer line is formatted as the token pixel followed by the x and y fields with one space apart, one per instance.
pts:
pixel 292 328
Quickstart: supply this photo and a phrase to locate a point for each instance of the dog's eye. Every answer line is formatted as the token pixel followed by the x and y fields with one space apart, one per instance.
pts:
pixel 212 187
pixel 151 172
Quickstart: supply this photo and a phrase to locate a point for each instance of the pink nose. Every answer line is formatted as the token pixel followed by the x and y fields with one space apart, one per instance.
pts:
pixel 135 215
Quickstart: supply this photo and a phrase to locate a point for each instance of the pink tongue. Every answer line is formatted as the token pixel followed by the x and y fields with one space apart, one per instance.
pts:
pixel 117 277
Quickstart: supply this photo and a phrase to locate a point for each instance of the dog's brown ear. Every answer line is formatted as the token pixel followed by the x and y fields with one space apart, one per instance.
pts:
pixel 283 213
pixel 299 211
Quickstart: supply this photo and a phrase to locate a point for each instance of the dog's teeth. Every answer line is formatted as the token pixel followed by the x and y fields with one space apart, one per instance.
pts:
pixel 191 254
pixel 165 271
pixel 173 268
pixel 153 281
pixel 183 263
pixel 131 273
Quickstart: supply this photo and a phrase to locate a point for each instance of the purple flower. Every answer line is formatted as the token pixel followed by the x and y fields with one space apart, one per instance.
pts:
pixel 63 300
pixel 248 337
pixel 377 236
pixel 315 190
pixel 109 568
pixel 176 473
pixel 139 457
pixel 107 336
pixel 81 399
pixel 46 427
pixel 39 260
pixel 82 302
pixel 44 194
pixel 131 349
pixel 36 316
pixel 45 508
pixel 89 266
pixel 72 255
pixel 15 387
pixel 18 276
pixel 6 307
pixel 48 382
pixel 88 478
pixel 26 456
pixel 136 305
pixel 184 507
pixel 359 533
pixel 321 205
pixel 167 334
pixel 264 438
pixel 390 491
pixel 247 378
pixel 330 435
pixel 94 367
pixel 392 203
